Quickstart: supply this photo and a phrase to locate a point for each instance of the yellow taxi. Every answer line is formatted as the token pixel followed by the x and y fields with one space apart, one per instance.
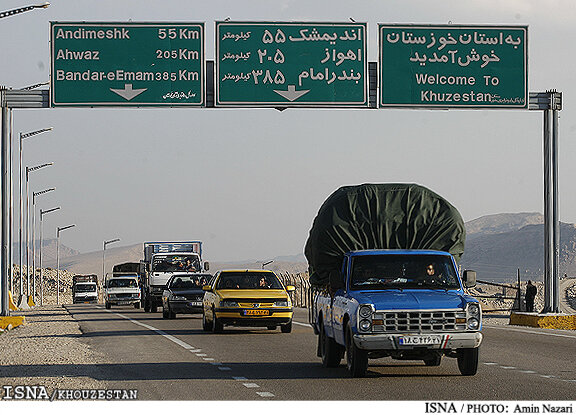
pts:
pixel 247 298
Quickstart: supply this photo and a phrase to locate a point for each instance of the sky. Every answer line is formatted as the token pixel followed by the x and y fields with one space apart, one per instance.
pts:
pixel 249 182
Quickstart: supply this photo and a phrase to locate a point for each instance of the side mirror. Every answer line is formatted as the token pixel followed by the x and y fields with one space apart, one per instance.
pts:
pixel 469 278
pixel 206 265
pixel 290 288
pixel 207 288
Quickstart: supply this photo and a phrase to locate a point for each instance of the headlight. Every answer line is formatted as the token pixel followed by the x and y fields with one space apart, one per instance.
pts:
pixel 281 303
pixel 473 324
pixel 473 310
pixel 178 298
pixel 365 311
pixel 228 304
pixel 365 325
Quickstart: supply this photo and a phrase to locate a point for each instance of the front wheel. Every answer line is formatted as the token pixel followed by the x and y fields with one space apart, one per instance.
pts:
pixel 356 359
pixel 217 326
pixel 137 305
pixel 330 351
pixel 468 361
pixel 108 305
pixel 205 325
pixel 286 328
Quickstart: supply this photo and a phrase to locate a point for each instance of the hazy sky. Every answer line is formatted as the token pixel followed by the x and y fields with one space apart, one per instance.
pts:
pixel 249 182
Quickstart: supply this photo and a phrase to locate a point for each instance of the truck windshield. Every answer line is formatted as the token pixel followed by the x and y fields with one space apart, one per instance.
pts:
pixel 176 263
pixel 122 283
pixel 84 288
pixel 381 272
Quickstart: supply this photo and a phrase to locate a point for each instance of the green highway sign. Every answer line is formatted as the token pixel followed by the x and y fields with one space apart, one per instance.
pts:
pixel 453 66
pixel 127 64
pixel 291 64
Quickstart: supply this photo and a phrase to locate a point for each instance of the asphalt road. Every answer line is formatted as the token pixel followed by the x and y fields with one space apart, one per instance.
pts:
pixel 176 360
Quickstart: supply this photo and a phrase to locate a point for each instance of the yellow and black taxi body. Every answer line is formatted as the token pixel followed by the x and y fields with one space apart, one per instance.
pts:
pixel 247 298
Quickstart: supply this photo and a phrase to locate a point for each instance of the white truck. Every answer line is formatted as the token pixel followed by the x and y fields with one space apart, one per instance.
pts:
pixel 84 289
pixel 122 290
pixel 161 261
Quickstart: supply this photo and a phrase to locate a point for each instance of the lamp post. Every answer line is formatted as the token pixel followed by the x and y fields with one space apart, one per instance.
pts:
pixel 24 136
pixel 42 213
pixel 28 171
pixel 34 194
pixel 104 257
pixel 58 261
pixel 12 12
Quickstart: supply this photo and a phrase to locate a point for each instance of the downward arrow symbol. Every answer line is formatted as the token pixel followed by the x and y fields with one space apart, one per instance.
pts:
pixel 128 93
pixel 291 94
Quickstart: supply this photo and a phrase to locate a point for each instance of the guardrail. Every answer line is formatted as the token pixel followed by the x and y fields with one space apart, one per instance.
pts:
pixel 301 283
pixel 516 304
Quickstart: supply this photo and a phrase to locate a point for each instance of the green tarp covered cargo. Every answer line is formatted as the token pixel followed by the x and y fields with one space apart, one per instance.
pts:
pixel 381 216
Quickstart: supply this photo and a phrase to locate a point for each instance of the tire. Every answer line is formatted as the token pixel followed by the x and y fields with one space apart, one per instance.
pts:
pixel 165 313
pixel 217 327
pixel 137 305
pixel 205 325
pixel 286 328
pixel 153 308
pixel 356 359
pixel 171 314
pixel 330 351
pixel 146 306
pixel 108 305
pixel 468 361
pixel 433 360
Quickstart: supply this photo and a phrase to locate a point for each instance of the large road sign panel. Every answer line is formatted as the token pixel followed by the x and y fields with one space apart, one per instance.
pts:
pixel 453 66
pixel 127 64
pixel 269 64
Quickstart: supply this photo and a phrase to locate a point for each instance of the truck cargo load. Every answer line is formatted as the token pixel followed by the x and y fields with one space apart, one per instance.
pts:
pixel 381 216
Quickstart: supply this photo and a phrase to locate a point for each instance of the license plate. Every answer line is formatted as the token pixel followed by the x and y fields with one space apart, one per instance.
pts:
pixel 420 340
pixel 123 302
pixel 256 312
pixel 195 303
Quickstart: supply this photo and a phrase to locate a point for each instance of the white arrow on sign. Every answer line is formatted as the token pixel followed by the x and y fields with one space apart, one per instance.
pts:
pixel 128 93
pixel 291 94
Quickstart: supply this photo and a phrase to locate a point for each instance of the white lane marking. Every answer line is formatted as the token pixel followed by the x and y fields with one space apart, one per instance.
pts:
pixel 196 350
pixel 223 368
pixel 529 372
pixel 534 332
pixel 251 385
pixel 239 378
pixel 208 358
pixel 301 324
pixel 490 363
pixel 201 354
pixel 508 367
pixel 265 394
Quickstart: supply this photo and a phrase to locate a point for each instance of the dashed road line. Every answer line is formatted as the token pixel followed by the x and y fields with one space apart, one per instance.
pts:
pixel 527 372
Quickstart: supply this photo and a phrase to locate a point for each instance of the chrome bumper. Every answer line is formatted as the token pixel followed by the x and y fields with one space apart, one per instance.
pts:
pixel 392 341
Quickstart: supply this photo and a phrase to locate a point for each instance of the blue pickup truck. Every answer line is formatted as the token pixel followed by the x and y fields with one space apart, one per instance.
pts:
pixel 383 262
pixel 406 304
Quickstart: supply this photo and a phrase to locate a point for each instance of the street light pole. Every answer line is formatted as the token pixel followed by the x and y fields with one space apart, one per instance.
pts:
pixel 28 171
pixel 24 136
pixel 12 12
pixel 58 261
pixel 104 257
pixel 34 194
pixel 42 213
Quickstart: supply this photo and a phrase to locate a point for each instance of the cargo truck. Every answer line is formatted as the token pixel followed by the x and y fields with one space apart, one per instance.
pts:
pixel 383 263
pixel 84 289
pixel 161 261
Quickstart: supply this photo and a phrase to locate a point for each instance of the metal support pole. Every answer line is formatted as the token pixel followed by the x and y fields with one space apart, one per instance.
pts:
pixel 4 258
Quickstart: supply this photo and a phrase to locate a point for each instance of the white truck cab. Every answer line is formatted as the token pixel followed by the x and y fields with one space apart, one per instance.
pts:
pixel 122 290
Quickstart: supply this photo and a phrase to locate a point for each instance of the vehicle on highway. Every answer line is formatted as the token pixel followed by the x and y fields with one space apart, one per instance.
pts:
pixel 161 261
pixel 84 289
pixel 247 298
pixel 122 290
pixel 383 261
pixel 184 294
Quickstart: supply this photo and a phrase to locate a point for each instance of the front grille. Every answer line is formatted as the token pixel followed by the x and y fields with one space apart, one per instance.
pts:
pixel 125 295
pixel 193 297
pixel 419 321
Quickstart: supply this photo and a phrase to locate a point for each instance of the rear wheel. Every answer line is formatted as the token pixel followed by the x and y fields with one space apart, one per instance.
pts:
pixel 108 305
pixel 146 305
pixel 137 305
pixel 330 351
pixel 171 314
pixel 433 360
pixel 468 361
pixel 165 312
pixel 153 308
pixel 356 359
